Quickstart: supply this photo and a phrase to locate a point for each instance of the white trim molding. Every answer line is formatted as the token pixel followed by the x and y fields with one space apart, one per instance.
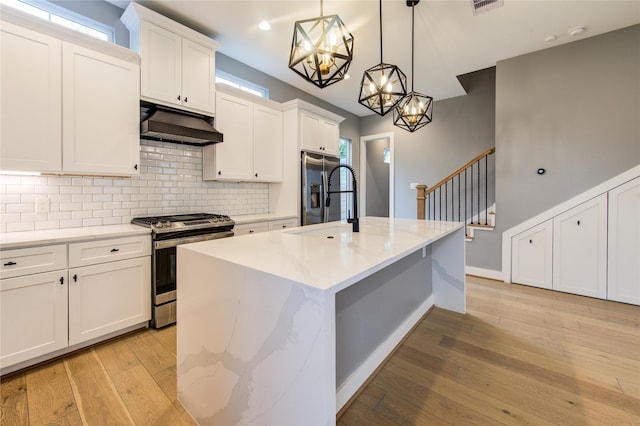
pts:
pixel 484 273
pixel 555 211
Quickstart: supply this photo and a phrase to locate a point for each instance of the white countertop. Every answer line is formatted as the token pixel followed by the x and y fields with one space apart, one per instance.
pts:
pixel 253 218
pixel 53 236
pixel 305 255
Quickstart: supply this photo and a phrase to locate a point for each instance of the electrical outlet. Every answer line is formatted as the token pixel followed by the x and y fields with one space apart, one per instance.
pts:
pixel 42 205
pixel 413 185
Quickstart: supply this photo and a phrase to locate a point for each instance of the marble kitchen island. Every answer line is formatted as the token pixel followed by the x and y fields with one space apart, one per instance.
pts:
pixel 283 327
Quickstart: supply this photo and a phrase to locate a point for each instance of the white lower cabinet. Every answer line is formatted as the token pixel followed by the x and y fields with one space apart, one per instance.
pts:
pixel 33 316
pixel 580 249
pixel 532 256
pixel 107 297
pixel 282 224
pixel 624 243
pixel 54 297
pixel 250 228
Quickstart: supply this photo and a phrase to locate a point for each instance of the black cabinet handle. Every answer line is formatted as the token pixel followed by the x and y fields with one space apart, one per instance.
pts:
pixel 10 263
pixel 61 280
pixel 530 241
pixel 219 172
pixel 135 166
pixel 251 231
pixel 178 97
pixel 186 100
pixel 578 223
pixel 114 250
pixel 284 226
pixel 75 278
pixel 256 175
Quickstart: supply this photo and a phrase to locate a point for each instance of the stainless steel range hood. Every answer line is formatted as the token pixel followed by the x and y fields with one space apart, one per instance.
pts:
pixel 168 125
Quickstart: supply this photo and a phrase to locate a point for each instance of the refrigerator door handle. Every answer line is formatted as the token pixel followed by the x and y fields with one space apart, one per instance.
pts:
pixel 323 191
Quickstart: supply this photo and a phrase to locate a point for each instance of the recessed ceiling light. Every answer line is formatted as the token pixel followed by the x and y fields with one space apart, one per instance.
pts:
pixel 551 38
pixel 264 26
pixel 577 30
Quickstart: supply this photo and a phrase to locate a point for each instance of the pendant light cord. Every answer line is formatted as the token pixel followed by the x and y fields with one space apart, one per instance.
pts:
pixel 381 31
pixel 413 37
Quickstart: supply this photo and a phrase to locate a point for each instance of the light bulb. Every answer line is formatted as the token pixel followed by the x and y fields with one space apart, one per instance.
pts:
pixel 383 80
pixel 372 88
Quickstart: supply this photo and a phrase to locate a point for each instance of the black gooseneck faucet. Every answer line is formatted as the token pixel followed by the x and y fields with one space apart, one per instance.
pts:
pixel 354 220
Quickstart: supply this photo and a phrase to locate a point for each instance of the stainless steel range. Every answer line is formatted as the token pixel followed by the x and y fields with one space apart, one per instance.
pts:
pixel 167 233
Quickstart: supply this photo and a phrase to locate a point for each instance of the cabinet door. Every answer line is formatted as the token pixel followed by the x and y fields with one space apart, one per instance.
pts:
pixel 161 65
pixel 623 284
pixel 108 297
pixel 267 144
pixel 33 316
pixel 198 77
pixel 283 224
pixel 310 132
pixel 101 126
pixel 580 249
pixel 30 123
pixel 329 136
pixel 233 157
pixel 532 256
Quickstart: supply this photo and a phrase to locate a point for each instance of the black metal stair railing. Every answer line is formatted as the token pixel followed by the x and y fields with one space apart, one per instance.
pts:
pixel 460 195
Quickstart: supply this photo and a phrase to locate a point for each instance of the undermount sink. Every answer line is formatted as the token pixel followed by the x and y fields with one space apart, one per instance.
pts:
pixel 331 231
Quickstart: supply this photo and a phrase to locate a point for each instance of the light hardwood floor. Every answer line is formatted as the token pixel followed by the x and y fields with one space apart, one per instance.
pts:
pixel 520 356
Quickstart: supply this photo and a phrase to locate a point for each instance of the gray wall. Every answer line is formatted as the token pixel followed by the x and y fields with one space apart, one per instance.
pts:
pixel 462 127
pixel 377 179
pixel 573 110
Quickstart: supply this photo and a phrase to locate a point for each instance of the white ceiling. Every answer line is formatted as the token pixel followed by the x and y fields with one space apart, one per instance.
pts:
pixel 450 40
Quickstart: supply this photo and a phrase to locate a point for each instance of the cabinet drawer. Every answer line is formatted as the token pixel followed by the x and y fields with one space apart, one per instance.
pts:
pixel 283 224
pixel 108 250
pixel 250 228
pixel 18 262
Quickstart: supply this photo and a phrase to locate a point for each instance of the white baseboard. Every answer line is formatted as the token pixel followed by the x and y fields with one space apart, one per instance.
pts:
pixel 351 385
pixel 484 273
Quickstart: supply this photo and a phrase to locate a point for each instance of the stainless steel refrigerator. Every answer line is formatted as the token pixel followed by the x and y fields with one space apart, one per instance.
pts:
pixel 315 172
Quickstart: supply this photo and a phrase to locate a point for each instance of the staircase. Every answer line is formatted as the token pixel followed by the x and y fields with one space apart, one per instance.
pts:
pixel 463 196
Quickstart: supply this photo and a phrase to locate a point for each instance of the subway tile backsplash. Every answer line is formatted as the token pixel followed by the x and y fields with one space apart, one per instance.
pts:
pixel 170 182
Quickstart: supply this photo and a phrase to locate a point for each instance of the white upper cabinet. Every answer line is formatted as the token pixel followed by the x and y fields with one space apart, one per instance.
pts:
pixel 30 125
pixel 178 63
pixel 69 101
pixel 580 249
pixel 624 243
pixel 319 134
pixel 253 143
pixel 267 144
pixel 100 113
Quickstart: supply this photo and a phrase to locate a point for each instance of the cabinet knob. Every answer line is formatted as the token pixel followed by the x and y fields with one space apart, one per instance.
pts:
pixel 578 223
pixel 219 172
pixel 114 250
pixel 256 175
pixel 75 278
pixel 530 241
pixel 61 280
pixel 135 166
pixel 284 226
pixel 10 263
pixel 178 97
pixel 186 100
pixel 251 231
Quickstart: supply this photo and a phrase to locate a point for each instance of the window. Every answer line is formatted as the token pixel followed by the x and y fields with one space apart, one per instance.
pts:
pixel 64 17
pixel 345 179
pixel 244 85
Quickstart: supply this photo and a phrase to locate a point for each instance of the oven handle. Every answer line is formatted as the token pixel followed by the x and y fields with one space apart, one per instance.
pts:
pixel 186 240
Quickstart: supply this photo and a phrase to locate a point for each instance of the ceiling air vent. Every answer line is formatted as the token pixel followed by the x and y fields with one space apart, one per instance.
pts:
pixel 481 6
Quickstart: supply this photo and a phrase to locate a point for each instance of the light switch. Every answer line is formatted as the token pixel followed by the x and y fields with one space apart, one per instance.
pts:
pixel 42 205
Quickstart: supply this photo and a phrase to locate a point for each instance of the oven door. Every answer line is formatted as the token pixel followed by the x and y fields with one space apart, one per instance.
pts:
pixel 164 273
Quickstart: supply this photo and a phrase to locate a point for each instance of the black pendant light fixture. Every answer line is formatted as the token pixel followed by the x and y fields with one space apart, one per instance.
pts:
pixel 382 85
pixel 321 49
pixel 415 110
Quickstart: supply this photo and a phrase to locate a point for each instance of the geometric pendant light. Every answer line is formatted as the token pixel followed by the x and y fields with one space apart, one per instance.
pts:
pixel 415 110
pixel 321 49
pixel 382 85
